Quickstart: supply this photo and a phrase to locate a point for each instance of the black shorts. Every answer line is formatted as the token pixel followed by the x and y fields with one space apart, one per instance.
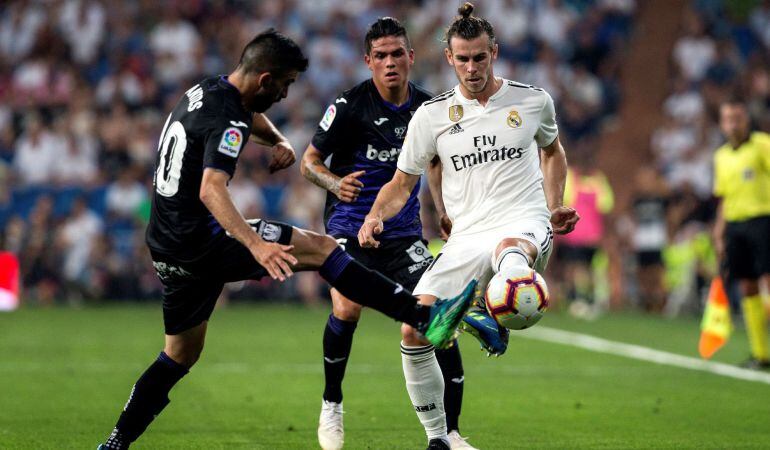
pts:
pixel 577 254
pixel 646 258
pixel 190 290
pixel 747 248
pixel 403 260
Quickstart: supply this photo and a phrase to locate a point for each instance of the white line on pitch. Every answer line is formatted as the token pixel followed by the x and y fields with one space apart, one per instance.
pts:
pixel 600 345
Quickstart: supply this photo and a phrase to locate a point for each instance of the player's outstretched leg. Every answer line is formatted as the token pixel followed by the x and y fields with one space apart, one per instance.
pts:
pixel 150 393
pixel 437 322
pixel 337 342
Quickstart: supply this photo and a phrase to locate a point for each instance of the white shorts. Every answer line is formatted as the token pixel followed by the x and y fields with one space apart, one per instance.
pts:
pixel 471 256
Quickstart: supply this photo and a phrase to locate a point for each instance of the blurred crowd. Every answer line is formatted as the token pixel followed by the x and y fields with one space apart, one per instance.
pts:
pixel 85 86
pixel 722 51
pixel 666 256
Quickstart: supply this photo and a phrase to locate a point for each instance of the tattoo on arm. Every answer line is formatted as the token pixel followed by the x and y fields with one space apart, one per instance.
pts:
pixel 318 174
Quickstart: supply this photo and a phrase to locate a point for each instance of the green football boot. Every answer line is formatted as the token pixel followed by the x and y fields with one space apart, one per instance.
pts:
pixel 446 315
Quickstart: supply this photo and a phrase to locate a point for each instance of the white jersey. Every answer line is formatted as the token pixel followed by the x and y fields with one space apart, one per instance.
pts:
pixel 491 166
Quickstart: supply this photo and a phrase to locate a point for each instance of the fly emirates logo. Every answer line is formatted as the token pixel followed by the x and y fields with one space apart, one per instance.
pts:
pixel 485 152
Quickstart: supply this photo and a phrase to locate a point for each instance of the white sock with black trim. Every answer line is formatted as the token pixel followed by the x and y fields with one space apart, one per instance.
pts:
pixel 511 257
pixel 425 385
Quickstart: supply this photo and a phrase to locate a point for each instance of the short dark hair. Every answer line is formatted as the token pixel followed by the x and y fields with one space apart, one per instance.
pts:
pixel 385 26
pixel 734 99
pixel 469 27
pixel 271 51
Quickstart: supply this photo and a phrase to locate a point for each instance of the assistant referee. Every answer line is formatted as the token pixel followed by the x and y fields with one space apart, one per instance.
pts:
pixel 742 229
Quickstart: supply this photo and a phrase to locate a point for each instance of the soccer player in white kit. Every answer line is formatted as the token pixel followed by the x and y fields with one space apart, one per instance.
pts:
pixel 503 196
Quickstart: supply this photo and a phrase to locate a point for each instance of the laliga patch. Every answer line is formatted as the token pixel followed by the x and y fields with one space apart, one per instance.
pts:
pixel 232 140
pixel 328 118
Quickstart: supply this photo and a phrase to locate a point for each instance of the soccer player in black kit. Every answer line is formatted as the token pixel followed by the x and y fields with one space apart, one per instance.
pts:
pixel 198 240
pixel 363 130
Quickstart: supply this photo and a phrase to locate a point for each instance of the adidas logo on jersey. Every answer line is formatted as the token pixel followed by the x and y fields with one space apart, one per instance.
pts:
pixel 456 129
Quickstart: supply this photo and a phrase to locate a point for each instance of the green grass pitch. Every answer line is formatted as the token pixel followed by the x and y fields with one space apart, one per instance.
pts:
pixel 65 374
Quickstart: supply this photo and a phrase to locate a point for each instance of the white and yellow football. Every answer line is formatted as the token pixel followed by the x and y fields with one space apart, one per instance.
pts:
pixel 517 297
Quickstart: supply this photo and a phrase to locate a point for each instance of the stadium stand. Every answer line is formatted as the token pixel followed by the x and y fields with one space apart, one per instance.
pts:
pixel 84 86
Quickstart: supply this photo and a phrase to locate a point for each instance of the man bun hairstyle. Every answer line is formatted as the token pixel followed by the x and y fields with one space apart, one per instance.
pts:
pixel 465 10
pixel 385 26
pixel 271 51
pixel 467 26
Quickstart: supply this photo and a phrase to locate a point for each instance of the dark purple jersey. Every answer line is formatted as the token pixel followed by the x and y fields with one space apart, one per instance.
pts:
pixel 361 131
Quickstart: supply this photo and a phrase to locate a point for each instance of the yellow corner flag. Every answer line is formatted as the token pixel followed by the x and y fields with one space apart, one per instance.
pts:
pixel 716 325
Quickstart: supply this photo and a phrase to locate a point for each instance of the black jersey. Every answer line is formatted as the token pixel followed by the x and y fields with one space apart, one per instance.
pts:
pixel 362 131
pixel 207 128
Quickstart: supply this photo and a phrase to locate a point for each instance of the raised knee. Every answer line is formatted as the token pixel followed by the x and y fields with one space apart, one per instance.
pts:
pixel 524 246
pixel 323 244
pixel 349 311
pixel 314 248
pixel 411 337
pixel 507 242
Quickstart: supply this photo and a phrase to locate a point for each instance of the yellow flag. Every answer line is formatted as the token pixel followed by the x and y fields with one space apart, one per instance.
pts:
pixel 716 325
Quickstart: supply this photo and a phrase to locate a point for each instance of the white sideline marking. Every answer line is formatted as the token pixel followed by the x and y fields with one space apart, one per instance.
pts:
pixel 600 345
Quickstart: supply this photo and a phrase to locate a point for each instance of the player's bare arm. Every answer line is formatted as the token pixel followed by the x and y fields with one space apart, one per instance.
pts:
pixel 434 182
pixel 554 167
pixel 263 132
pixel 389 202
pixel 314 170
pixel 214 194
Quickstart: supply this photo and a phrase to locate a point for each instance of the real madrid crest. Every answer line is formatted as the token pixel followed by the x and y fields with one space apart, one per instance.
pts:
pixel 455 113
pixel 514 119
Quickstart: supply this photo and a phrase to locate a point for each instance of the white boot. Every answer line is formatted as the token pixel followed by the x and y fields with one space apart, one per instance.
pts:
pixel 457 442
pixel 331 434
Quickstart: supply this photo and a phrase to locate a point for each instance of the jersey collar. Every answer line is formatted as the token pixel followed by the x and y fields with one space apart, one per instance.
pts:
pixel 226 83
pixel 748 139
pixel 472 101
pixel 392 106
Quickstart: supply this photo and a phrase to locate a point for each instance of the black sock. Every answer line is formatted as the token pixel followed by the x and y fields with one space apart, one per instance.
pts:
pixel 370 288
pixel 452 369
pixel 338 338
pixel 148 398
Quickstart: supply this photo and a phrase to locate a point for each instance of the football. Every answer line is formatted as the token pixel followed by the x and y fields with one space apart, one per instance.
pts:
pixel 517 297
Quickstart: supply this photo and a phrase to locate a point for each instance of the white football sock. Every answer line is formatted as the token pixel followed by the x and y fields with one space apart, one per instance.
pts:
pixel 425 385
pixel 510 257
